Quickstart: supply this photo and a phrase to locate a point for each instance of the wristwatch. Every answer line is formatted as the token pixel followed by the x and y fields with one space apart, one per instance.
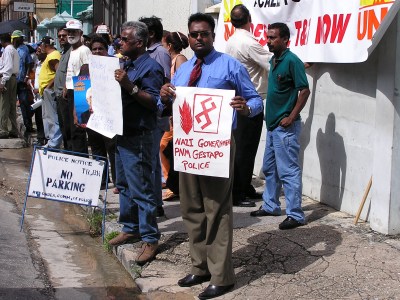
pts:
pixel 249 110
pixel 135 90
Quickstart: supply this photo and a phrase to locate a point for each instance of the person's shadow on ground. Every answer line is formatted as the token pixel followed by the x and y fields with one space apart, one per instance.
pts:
pixel 283 252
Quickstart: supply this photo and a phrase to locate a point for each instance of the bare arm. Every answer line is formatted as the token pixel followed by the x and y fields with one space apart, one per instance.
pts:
pixel 301 102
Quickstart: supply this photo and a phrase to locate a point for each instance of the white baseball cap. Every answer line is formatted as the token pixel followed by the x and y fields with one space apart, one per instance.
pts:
pixel 73 24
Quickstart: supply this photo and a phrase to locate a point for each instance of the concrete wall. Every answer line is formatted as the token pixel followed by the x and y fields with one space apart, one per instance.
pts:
pixel 351 132
pixel 174 14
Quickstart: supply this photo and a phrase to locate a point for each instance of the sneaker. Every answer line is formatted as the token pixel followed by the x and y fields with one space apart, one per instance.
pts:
pixel 146 253
pixel 289 223
pixel 123 238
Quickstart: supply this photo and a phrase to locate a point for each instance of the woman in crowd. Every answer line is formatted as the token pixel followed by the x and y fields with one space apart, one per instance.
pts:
pixel 101 145
pixel 174 42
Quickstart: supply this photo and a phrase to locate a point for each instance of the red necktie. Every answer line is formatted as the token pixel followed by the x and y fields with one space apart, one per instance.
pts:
pixel 196 73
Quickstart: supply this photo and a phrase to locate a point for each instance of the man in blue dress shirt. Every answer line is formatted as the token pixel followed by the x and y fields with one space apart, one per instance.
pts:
pixel 140 80
pixel 206 202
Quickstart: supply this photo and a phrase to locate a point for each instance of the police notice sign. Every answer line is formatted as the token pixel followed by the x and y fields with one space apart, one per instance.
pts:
pixel 64 177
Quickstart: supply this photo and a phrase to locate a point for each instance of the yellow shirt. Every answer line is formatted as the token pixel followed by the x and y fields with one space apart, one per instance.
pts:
pixel 46 74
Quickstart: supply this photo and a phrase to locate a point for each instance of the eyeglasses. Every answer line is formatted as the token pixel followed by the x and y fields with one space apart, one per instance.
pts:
pixel 203 34
pixel 62 35
pixel 126 40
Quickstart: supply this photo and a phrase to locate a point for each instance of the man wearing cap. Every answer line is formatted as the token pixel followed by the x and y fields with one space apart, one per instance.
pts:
pixel 25 66
pixel 9 66
pixel 79 56
pixel 46 90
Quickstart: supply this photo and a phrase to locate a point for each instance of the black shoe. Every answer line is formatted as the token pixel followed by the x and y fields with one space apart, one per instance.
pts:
pixel 261 213
pixel 213 291
pixel 243 203
pixel 4 136
pixel 40 142
pixel 191 280
pixel 13 135
pixel 30 130
pixel 160 212
pixel 254 195
pixel 289 223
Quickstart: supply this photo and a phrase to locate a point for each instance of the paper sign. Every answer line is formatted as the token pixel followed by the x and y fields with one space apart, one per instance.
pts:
pixel 106 118
pixel 320 30
pixel 67 178
pixel 81 98
pixel 202 131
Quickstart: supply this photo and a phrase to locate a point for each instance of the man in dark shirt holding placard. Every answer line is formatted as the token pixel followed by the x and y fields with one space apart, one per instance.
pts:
pixel 140 80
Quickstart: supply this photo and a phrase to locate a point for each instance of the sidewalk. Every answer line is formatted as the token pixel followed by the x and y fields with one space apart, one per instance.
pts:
pixel 329 258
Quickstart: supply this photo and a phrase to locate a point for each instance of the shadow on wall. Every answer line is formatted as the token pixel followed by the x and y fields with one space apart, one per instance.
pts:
pixel 333 162
pixel 305 134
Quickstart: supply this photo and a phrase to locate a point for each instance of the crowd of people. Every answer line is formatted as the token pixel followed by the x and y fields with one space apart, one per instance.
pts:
pixel 152 66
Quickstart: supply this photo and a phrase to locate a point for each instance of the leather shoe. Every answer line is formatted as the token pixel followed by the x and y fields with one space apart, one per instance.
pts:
pixel 244 203
pixel 254 195
pixel 191 280
pixel 289 223
pixel 213 291
pixel 261 213
pixel 123 238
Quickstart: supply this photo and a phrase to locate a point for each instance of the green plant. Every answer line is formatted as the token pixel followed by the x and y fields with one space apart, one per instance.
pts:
pixel 107 238
pixel 95 220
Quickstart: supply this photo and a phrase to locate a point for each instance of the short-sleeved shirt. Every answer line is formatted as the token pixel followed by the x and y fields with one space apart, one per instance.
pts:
pixel 46 73
pixel 148 75
pixel 25 58
pixel 77 58
pixel 286 78
pixel 221 71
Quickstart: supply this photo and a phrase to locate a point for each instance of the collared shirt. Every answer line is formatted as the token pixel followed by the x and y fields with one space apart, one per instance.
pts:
pixel 148 75
pixel 25 60
pixel 243 46
pixel 161 55
pixel 221 71
pixel 286 78
pixel 61 73
pixel 9 63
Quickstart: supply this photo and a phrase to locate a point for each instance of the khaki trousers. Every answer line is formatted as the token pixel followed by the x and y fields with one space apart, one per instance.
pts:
pixel 206 207
pixel 8 108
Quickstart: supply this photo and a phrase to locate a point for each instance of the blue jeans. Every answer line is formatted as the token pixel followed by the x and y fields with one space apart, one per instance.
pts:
pixel 281 166
pixel 52 129
pixel 157 176
pixel 134 168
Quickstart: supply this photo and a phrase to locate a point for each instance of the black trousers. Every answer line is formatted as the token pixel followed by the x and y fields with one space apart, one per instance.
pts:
pixel 79 142
pixel 247 137
pixel 63 120
pixel 103 146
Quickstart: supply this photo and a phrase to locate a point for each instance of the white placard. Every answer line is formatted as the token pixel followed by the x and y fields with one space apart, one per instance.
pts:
pixel 23 6
pixel 321 30
pixel 202 131
pixel 63 177
pixel 106 118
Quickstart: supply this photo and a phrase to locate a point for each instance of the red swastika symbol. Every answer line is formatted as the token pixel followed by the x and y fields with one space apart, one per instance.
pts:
pixel 205 112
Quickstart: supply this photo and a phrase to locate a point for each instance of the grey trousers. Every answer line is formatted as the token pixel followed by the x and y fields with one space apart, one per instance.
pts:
pixel 206 207
pixel 8 108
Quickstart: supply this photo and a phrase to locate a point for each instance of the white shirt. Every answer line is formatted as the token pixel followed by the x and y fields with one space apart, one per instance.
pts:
pixel 77 58
pixel 243 46
pixel 9 64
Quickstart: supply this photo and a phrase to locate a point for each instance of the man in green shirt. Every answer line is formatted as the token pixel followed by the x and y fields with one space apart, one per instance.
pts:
pixel 286 96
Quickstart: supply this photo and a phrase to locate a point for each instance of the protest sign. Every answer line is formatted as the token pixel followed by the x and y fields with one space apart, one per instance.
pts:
pixel 106 118
pixel 64 177
pixel 202 131
pixel 81 98
pixel 321 31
